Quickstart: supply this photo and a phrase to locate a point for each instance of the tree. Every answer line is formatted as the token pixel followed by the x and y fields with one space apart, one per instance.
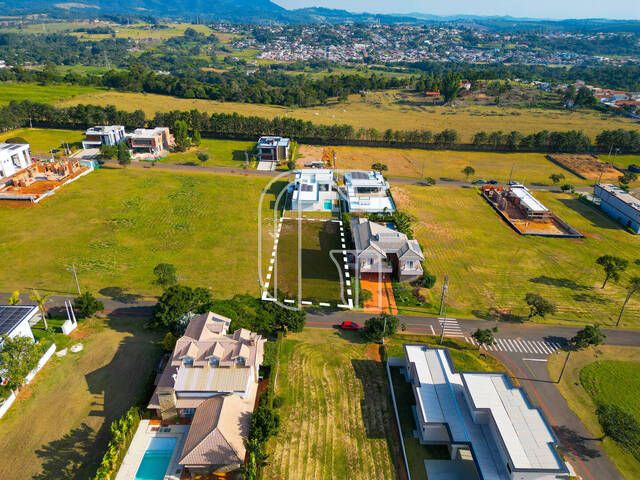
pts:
pixel 538 306
pixel 202 156
pixel 585 98
pixel 627 178
pixel 567 188
pixel 40 301
pixel 376 328
pixel 632 288
pixel 165 275
pixel 87 305
pixel 450 87
pixel 14 299
pixel 556 177
pixel 570 94
pixel 468 171
pixel 169 342
pixel 124 155
pixel 108 151
pixel 427 280
pixel 484 336
pixel 181 135
pixel 429 181
pixel 613 266
pixel 196 139
pixel 589 335
pixel 365 295
pixel 19 355
pixel 620 426
pixel 177 301
pixel 265 423
pixel 380 167
pixel 286 319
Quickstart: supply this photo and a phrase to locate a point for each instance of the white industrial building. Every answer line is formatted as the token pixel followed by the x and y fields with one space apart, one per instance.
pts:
pixel 13 158
pixel 480 416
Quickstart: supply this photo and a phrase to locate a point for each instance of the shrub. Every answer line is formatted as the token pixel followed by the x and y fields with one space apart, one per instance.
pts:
pixel 169 342
pixel 291 164
pixel 380 167
pixel 87 305
pixel 366 295
pixel 427 280
pixel 376 328
pixel 429 181
pixel 202 156
pixel 620 426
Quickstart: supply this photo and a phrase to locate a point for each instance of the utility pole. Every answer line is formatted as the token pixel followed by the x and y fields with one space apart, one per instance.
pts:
pixel 445 288
pixel 443 325
pixel 511 173
pixel 75 276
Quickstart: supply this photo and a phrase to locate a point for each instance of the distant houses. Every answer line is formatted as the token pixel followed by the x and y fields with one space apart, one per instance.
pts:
pixel 273 149
pixel 619 205
pixel 153 142
pixel 103 135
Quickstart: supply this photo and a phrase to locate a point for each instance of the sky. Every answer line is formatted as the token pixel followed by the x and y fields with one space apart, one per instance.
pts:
pixel 555 9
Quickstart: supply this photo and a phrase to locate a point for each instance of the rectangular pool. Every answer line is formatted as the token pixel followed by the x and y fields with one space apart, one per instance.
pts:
pixel 156 458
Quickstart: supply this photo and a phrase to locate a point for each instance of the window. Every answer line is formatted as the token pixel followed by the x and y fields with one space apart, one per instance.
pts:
pixel 371 260
pixel 188 412
pixel 214 361
pixel 240 361
pixel 188 361
pixel 409 264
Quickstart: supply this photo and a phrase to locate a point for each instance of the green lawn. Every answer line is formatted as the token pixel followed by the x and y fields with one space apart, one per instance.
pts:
pixel 337 420
pixel 49 94
pixel 223 153
pixel 43 140
pixel 491 267
pixel 599 374
pixel 59 426
pixel 117 224
pixel 319 274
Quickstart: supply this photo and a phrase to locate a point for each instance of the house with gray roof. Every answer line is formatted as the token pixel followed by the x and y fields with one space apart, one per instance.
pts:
pixel 383 250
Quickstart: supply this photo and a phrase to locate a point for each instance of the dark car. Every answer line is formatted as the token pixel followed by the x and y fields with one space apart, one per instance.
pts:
pixel 480 181
pixel 347 325
pixel 493 182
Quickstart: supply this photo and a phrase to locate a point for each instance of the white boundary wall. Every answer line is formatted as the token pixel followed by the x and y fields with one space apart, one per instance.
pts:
pixel 41 363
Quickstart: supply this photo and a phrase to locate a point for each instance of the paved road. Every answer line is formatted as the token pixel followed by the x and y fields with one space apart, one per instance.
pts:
pixel 523 348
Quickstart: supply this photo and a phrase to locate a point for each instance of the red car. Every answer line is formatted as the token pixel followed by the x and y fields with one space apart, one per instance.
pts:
pixel 347 325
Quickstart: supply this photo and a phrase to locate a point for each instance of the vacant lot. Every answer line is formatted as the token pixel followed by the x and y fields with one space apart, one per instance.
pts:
pixel 59 427
pixel 320 280
pixel 223 153
pixel 446 164
pixel 337 419
pixel 588 167
pixel 40 93
pixel 381 110
pixel 43 140
pixel 491 267
pixel 597 375
pixel 115 225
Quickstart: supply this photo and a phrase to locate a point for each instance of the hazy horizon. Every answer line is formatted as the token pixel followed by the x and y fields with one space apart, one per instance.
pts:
pixel 542 9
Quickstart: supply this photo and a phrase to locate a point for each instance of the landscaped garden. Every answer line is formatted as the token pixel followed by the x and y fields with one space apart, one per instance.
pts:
pixel 605 375
pixel 491 268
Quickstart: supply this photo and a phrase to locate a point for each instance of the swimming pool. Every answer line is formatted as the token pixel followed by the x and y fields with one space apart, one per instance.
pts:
pixel 156 458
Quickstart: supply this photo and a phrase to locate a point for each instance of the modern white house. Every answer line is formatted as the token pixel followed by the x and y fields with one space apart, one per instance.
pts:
pixel 103 135
pixel 383 250
pixel 273 149
pixel 15 320
pixel 314 190
pixel 13 158
pixel 480 416
pixel 367 191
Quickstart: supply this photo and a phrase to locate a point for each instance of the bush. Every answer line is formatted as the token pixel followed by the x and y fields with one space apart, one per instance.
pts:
pixel 122 432
pixel 265 423
pixel 416 293
pixel 202 156
pixel 427 280
pixel 87 305
pixel 169 342
pixel 366 295
pixel 429 181
pixel 567 188
pixel 620 426
pixel 380 167
pixel 376 328
pixel 291 164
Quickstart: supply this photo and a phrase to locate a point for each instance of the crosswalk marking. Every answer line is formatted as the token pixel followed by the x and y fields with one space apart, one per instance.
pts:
pixel 451 327
pixel 511 345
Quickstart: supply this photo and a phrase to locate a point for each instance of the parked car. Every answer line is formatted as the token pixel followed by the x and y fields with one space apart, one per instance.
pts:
pixel 514 183
pixel 479 181
pixel 493 182
pixel 348 325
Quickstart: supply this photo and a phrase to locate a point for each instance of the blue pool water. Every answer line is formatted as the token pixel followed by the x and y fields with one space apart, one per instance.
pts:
pixel 156 458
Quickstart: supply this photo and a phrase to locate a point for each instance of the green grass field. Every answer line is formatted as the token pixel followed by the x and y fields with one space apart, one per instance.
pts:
pixel 491 267
pixel 59 426
pixel 598 374
pixel 319 274
pixel 49 94
pixel 116 225
pixel 381 110
pixel 222 153
pixel 43 140
pixel 337 419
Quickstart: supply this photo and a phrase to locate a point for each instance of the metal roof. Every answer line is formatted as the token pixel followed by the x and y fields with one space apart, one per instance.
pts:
pixel 13 315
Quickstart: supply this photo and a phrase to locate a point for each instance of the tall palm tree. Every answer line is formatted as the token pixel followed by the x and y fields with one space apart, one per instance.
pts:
pixel 634 286
pixel 14 299
pixel 40 301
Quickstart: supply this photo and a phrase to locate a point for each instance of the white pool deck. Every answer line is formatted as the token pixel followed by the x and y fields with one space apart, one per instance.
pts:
pixel 138 447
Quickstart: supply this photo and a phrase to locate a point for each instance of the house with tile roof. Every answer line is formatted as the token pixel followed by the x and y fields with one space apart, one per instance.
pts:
pixel 383 250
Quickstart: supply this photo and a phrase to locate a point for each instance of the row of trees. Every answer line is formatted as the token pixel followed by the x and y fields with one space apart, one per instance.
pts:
pixel 545 141
pixel 122 431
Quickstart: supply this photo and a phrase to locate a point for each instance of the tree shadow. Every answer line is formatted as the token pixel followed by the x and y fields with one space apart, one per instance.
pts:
pixel 62 458
pixel 495 315
pixel 238 156
pixel 592 298
pixel 582 446
pixel 120 294
pixel 559 282
pixel 274 190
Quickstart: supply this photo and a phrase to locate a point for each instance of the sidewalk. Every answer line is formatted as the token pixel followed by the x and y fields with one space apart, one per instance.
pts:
pixel 382 299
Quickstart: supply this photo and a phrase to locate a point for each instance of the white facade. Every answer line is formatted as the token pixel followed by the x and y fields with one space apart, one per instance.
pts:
pixel 367 191
pixel 314 190
pixel 13 158
pixel 14 320
pixel 103 135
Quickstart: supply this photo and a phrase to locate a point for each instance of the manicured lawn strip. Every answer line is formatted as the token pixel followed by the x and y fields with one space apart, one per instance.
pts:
pixel 337 417
pixel 49 94
pixel 595 365
pixel 490 266
pixel 223 153
pixel 381 110
pixel 117 224
pixel 59 427
pixel 43 140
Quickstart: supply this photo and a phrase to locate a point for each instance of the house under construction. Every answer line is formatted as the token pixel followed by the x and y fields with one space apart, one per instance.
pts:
pixel 525 213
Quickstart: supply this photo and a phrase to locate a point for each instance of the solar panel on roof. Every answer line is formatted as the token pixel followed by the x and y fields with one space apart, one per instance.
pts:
pixel 306 187
pixel 11 316
pixel 359 175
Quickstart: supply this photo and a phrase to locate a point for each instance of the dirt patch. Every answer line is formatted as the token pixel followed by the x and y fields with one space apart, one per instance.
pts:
pixel 586 166
pixel 373 352
pixel 78 334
